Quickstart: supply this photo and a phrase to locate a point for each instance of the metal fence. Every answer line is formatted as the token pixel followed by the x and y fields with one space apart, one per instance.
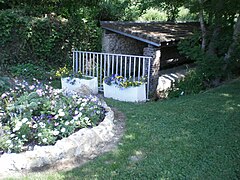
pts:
pixel 101 65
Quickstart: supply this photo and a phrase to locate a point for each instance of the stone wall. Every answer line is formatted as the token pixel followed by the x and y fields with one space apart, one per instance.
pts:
pixel 155 53
pixel 119 44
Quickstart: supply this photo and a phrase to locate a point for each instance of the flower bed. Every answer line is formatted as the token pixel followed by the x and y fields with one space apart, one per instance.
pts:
pixel 121 89
pixel 40 115
pixel 69 152
pixel 79 85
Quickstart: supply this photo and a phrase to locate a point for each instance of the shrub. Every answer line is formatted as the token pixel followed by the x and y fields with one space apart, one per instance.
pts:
pixel 46 41
pixel 191 84
pixel 4 84
pixel 28 71
pixel 153 14
pixel 38 114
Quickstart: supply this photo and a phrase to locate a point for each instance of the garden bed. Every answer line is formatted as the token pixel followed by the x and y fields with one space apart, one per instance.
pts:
pixel 76 148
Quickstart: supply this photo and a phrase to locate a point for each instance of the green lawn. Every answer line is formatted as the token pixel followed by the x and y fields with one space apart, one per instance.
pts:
pixel 192 137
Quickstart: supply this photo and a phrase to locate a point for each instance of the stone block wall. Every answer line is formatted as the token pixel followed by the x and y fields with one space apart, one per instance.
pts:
pixel 119 44
pixel 155 53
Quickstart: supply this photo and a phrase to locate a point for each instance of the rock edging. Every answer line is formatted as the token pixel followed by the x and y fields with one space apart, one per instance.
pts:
pixel 67 152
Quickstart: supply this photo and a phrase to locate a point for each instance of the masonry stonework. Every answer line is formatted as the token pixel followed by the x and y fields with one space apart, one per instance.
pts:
pixel 155 53
pixel 119 44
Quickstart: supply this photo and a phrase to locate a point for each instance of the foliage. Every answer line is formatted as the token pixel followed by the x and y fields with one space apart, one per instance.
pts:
pixel 40 115
pixel 191 84
pixel 184 14
pixel 4 84
pixel 44 40
pixel 153 14
pixel 28 71
pixel 122 82
pixel 210 68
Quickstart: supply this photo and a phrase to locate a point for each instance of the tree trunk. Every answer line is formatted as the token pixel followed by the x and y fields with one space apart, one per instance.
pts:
pixel 218 21
pixel 215 35
pixel 235 42
pixel 203 28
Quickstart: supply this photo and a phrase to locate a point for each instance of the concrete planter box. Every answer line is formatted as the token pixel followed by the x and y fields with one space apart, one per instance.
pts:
pixel 130 94
pixel 76 84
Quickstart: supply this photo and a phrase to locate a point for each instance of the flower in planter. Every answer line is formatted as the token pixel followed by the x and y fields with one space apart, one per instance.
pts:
pixel 122 82
pixel 71 75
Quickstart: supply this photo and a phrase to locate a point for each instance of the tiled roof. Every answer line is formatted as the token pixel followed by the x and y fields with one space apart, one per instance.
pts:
pixel 154 33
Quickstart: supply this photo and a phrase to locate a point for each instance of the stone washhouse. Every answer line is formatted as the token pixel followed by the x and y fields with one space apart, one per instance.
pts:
pixel 155 39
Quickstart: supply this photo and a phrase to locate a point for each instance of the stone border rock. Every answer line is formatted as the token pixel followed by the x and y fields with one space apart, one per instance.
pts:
pixel 67 153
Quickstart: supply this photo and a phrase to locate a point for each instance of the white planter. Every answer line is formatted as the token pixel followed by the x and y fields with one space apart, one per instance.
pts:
pixel 79 85
pixel 129 94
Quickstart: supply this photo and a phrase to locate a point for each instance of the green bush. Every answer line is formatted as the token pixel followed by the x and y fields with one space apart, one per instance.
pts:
pixel 191 84
pixel 153 14
pixel 4 84
pixel 46 41
pixel 29 71
pixel 209 70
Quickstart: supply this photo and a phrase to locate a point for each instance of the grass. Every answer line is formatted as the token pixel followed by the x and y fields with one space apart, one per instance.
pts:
pixel 192 137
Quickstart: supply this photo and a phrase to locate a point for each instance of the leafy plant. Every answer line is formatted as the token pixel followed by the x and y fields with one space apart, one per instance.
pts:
pixel 65 72
pixel 70 75
pixel 191 84
pixel 45 40
pixel 37 114
pixel 4 84
pixel 28 71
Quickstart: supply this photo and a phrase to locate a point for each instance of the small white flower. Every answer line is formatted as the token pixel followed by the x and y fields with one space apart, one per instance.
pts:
pixel 83 104
pixel 23 136
pixel 4 95
pixel 19 124
pixel 31 87
pixel 44 140
pixel 55 133
pixel 9 141
pixel 76 117
pixel 39 134
pixel 35 126
pixel 42 125
pixel 12 135
pixel 67 123
pixel 11 146
pixel 63 130
pixel 24 120
pixel 61 114
pixel 86 118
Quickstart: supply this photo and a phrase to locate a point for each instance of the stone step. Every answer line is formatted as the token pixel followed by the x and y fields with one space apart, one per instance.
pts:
pixel 169 76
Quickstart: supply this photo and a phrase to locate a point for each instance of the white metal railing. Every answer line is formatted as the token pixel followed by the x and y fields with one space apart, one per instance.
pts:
pixel 101 65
